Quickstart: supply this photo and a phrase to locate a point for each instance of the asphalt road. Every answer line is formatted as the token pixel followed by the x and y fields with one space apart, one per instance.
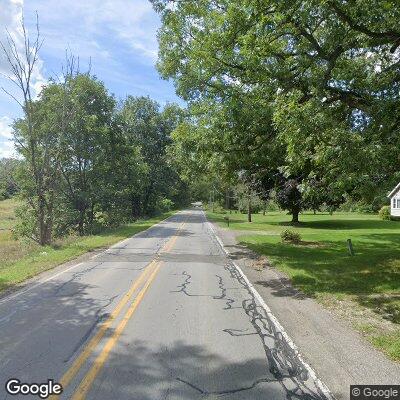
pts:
pixel 162 315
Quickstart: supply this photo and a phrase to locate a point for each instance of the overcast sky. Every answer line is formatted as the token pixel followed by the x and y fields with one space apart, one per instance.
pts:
pixel 118 36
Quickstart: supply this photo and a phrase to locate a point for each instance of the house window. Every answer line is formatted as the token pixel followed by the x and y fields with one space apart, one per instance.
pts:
pixel 394 203
pixel 398 203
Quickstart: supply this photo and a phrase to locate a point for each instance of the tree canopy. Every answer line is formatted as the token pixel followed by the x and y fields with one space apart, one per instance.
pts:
pixel 301 91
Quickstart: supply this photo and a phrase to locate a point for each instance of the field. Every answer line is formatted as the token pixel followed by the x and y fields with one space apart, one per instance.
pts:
pixel 20 260
pixel 322 267
pixel 10 249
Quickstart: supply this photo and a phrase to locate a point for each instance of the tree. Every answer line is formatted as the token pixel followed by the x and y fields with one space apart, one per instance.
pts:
pixel 84 135
pixel 327 72
pixel 148 127
pixel 289 198
pixel 32 143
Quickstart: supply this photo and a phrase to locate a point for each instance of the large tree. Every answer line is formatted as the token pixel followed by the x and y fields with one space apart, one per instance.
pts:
pixel 84 136
pixel 328 72
pixel 33 143
pixel 147 126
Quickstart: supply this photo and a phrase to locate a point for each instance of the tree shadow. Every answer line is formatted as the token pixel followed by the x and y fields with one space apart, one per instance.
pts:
pixel 145 370
pixel 339 224
pixel 373 270
pixel 350 224
pixel 44 326
pixel 47 326
pixel 283 287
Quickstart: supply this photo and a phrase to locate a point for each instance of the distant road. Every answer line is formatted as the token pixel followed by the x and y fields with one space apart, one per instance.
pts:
pixel 162 315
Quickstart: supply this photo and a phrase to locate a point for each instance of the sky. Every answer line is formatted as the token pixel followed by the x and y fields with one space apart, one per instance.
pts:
pixel 116 37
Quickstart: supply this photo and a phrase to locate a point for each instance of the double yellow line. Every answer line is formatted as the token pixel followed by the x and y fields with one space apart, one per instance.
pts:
pixel 148 273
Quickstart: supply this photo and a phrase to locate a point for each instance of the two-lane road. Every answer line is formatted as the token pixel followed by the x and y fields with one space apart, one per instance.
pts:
pixel 162 315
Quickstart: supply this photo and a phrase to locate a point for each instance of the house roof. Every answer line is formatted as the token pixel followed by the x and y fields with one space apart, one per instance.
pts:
pixel 394 191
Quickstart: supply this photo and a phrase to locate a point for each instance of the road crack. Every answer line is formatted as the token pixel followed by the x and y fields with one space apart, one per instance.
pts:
pixel 226 391
pixel 75 276
pixel 222 296
pixel 283 360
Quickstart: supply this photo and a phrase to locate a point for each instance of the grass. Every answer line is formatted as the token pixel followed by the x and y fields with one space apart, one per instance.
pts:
pixel 10 249
pixel 20 261
pixel 322 268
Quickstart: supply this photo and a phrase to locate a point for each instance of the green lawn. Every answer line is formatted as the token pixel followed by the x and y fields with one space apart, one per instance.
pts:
pixel 322 267
pixel 20 261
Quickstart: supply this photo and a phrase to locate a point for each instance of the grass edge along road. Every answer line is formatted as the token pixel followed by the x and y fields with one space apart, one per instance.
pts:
pixel 85 384
pixel 41 259
pixel 363 289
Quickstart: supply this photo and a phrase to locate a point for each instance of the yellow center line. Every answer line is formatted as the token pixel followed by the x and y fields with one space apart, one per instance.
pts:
pixel 95 340
pixel 89 378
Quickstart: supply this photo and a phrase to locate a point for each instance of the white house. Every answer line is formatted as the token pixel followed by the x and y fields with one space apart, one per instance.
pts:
pixel 394 197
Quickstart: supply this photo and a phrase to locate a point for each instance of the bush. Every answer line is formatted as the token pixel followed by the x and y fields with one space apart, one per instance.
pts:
pixel 218 209
pixel 384 213
pixel 166 205
pixel 290 236
pixel 272 205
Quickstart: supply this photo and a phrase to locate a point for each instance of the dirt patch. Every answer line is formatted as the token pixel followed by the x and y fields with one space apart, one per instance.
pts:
pixel 260 263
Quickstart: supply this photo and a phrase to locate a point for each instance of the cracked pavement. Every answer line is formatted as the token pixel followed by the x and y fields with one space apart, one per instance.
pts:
pixel 199 332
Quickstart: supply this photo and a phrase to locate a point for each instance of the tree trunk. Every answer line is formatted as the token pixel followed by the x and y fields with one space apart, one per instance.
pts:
pixel 81 222
pixel 147 196
pixel 264 207
pixel 135 207
pixel 295 216
pixel 249 207
pixel 44 228
pixel 91 214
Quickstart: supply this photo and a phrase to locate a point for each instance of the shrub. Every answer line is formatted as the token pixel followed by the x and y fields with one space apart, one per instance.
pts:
pixel 290 236
pixel 166 205
pixel 218 209
pixel 384 213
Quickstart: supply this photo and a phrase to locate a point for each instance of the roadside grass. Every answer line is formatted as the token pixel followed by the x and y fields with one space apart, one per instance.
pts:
pixel 7 216
pixel 20 261
pixel 322 268
pixel 10 249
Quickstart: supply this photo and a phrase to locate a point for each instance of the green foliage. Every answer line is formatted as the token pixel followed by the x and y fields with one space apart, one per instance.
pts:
pixel 147 126
pixel 384 213
pixel 94 165
pixel 8 182
pixel 289 197
pixel 242 195
pixel 290 236
pixel 271 205
pixel 300 91
pixel 26 226
pixel 166 205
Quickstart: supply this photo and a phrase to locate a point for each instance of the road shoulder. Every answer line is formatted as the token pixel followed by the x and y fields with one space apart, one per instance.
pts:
pixel 338 354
